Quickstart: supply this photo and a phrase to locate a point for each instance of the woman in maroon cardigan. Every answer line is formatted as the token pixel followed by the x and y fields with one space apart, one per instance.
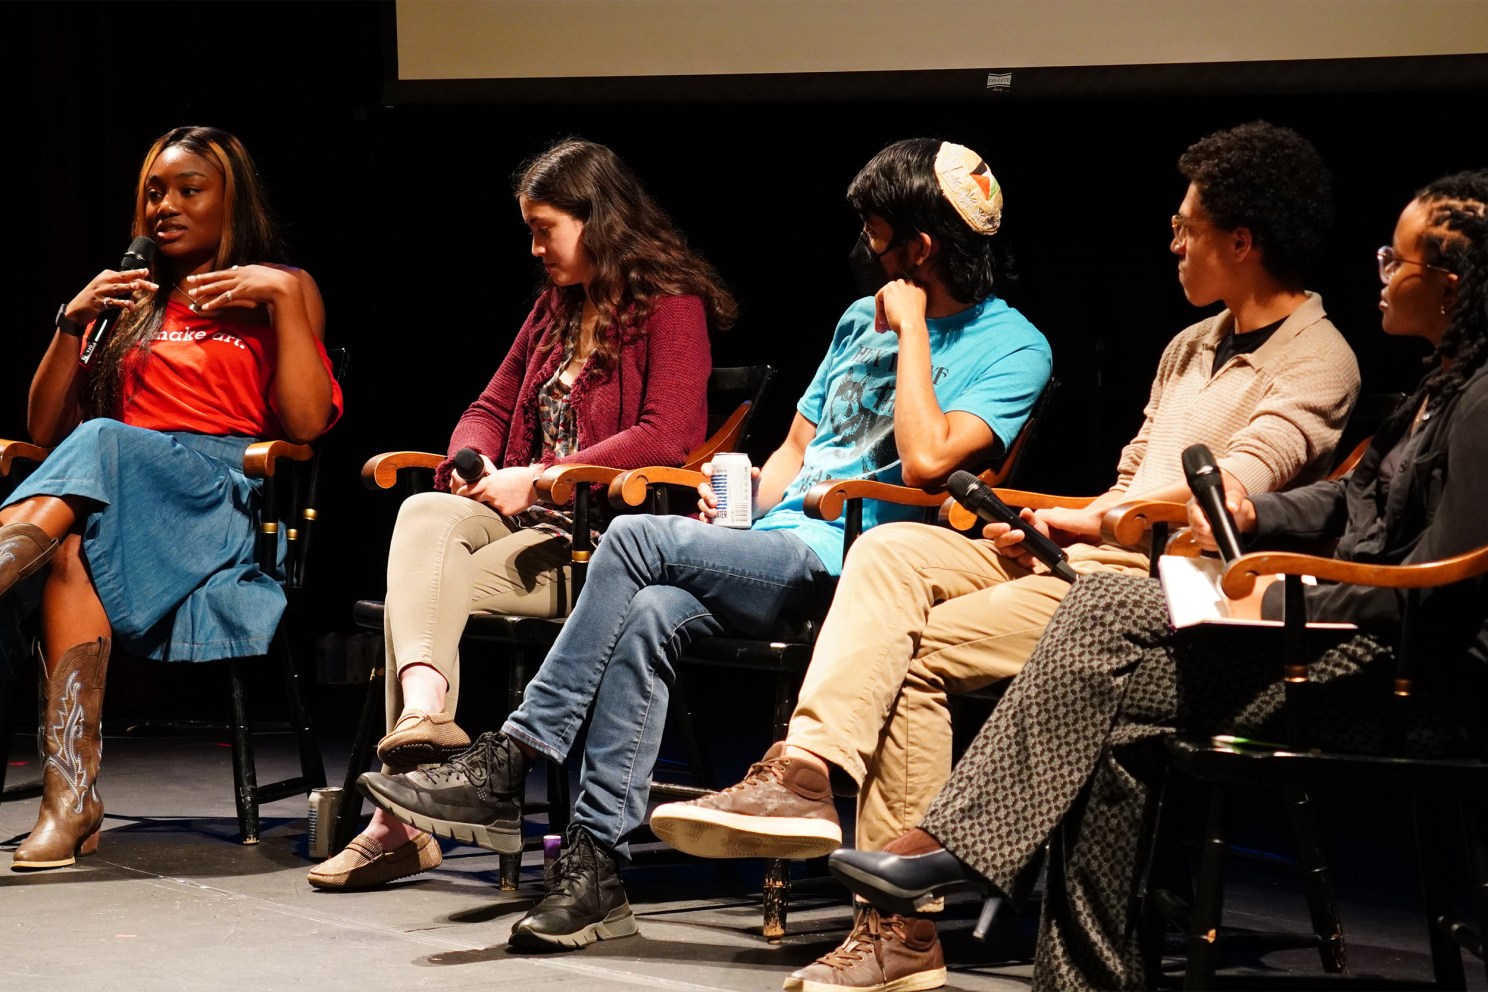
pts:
pixel 610 368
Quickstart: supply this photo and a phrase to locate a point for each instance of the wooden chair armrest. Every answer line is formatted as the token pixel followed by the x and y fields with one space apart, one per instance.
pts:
pixel 726 438
pixel 825 500
pixel 259 459
pixel 381 471
pixel 629 488
pixel 1184 544
pixel 1351 459
pixel 557 482
pixel 23 450
pixel 961 518
pixel 1239 579
pixel 1128 524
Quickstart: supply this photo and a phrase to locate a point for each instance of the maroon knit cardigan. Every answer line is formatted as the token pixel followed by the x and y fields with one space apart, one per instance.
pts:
pixel 650 408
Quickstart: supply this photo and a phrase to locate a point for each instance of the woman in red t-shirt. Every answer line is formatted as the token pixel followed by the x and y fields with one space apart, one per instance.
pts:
pixel 142 510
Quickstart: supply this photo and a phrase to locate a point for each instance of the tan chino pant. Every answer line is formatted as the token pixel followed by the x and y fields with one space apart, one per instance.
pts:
pixel 920 612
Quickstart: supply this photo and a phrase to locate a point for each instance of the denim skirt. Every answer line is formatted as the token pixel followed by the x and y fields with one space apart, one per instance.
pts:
pixel 171 542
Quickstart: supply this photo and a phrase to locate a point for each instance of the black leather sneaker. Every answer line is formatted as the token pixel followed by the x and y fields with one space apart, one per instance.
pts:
pixel 586 902
pixel 475 797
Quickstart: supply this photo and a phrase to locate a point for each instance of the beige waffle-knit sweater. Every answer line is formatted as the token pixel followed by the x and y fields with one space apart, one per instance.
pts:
pixel 1272 417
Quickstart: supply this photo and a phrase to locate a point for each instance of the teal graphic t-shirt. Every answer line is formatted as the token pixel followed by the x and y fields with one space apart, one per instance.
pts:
pixel 987 360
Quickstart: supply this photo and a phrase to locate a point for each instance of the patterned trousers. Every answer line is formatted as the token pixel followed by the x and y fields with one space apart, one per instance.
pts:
pixel 1072 756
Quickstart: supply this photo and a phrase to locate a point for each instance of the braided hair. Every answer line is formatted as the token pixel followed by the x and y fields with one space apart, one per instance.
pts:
pixel 1458 241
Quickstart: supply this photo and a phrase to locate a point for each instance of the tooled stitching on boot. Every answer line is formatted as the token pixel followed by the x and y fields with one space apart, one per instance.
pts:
pixel 65 734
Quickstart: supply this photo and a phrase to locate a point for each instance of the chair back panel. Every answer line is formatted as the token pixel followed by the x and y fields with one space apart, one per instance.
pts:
pixel 733 396
pixel 299 500
pixel 1370 412
pixel 1003 472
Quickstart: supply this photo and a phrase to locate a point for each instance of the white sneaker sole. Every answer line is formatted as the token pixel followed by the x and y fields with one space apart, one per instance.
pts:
pixel 934 978
pixel 714 833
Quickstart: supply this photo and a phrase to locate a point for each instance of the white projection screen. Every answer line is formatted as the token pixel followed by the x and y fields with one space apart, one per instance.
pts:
pixel 691 40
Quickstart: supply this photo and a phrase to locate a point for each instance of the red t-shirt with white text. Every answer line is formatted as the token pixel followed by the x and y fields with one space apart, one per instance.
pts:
pixel 209 374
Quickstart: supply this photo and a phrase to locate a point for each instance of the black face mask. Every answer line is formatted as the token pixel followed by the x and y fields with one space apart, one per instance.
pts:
pixel 869 274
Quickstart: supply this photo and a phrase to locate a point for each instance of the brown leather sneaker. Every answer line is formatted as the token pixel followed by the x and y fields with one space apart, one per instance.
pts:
pixel 881 954
pixel 782 809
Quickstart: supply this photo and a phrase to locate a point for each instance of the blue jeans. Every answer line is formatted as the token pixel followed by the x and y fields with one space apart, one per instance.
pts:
pixel 655 585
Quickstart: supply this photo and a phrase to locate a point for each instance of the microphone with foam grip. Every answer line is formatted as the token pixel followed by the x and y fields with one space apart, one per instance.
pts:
pixel 1208 488
pixel 139 255
pixel 468 465
pixel 979 498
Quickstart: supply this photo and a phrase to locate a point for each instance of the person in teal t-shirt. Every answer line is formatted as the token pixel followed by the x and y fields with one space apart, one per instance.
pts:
pixel 929 373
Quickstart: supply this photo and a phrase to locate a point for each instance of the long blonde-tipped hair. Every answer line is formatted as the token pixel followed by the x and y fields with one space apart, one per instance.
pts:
pixel 249 234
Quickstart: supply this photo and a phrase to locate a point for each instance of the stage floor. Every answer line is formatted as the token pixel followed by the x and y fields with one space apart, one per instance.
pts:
pixel 172 901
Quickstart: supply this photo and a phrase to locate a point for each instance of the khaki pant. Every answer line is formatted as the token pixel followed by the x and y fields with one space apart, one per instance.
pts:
pixel 920 612
pixel 450 557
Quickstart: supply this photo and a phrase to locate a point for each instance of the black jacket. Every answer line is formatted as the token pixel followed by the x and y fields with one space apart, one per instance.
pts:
pixel 1436 507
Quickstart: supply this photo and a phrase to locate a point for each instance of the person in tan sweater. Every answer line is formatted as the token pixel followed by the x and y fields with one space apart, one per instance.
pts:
pixel 921 612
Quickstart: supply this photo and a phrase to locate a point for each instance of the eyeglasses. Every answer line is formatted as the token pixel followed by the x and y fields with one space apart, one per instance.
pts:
pixel 1390 263
pixel 1181 225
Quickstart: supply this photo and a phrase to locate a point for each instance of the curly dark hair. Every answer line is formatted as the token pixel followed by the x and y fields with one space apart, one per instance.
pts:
pixel 899 185
pixel 1271 181
pixel 1458 240
pixel 637 252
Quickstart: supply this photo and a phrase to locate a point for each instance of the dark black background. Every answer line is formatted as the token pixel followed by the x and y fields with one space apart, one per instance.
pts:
pixel 403 212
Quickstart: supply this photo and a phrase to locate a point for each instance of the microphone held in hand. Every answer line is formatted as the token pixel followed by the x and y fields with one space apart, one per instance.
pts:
pixel 1207 483
pixel 468 465
pixel 979 498
pixel 139 255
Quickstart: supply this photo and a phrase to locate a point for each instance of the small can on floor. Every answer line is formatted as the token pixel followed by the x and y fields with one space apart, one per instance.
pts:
pixel 324 808
pixel 552 849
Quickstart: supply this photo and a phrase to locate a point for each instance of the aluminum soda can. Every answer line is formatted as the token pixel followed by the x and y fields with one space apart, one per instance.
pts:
pixel 324 809
pixel 734 488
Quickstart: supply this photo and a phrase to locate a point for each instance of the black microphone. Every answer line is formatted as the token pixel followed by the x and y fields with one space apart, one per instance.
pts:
pixel 979 498
pixel 1208 488
pixel 468 465
pixel 139 255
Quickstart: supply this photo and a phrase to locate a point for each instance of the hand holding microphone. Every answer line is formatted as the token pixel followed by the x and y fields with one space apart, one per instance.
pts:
pixel 1207 483
pixel 469 466
pixel 139 255
pixel 979 498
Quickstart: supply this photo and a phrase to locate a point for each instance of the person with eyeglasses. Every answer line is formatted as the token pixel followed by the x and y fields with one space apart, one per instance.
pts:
pixel 921 612
pixel 1072 759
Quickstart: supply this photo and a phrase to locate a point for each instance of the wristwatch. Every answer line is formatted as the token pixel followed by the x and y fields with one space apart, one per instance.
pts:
pixel 67 325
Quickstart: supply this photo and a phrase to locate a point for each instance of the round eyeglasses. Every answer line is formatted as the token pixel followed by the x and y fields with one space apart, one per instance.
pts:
pixel 1390 263
pixel 1181 226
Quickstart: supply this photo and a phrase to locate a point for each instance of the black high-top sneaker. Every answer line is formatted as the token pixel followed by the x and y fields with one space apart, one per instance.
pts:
pixel 585 904
pixel 475 797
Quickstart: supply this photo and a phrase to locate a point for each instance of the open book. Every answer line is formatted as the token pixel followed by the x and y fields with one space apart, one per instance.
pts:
pixel 1191 586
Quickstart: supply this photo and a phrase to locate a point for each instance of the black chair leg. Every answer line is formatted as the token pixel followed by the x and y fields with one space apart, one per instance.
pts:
pixel 245 777
pixel 1320 903
pixel 777 871
pixel 1446 955
pixel 7 692
pixel 312 767
pixel 1209 896
pixel 1475 827
pixel 371 720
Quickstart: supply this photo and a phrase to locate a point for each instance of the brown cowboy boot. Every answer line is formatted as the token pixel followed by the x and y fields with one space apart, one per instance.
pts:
pixel 23 549
pixel 71 745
